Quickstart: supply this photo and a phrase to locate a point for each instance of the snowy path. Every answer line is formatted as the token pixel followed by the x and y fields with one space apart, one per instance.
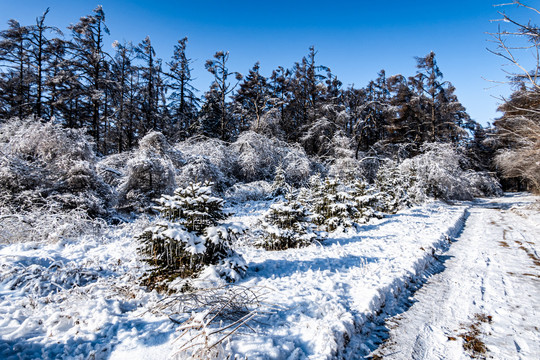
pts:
pixel 488 295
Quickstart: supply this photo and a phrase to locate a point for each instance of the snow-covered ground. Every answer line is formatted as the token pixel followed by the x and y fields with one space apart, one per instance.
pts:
pixel 81 299
pixel 486 299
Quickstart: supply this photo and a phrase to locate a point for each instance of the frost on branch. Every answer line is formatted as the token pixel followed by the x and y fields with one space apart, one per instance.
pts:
pixel 149 172
pixel 46 165
pixel 441 172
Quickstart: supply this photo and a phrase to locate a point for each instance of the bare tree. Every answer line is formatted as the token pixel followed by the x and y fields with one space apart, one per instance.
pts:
pixel 518 130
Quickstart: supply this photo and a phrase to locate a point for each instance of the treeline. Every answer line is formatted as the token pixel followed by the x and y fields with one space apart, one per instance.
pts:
pixel 120 97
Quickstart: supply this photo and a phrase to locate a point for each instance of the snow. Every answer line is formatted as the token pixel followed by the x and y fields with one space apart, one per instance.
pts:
pixel 492 271
pixel 80 299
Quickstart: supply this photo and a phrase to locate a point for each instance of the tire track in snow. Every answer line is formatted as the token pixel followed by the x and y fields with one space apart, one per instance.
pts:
pixel 373 332
pixel 491 274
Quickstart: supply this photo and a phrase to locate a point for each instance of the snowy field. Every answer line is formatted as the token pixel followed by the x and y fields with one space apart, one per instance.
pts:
pixel 82 299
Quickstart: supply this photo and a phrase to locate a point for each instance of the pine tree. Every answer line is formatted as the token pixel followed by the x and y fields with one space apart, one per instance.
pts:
pixel 41 51
pixel 330 207
pixel 280 186
pixel 287 225
pixel 16 81
pixel 190 238
pixel 404 126
pixel 182 99
pixel 306 87
pixel 364 201
pixel 442 116
pixel 374 113
pixel 216 112
pixel 251 100
pixel 392 187
pixel 149 95
pixel 88 59
pixel 122 73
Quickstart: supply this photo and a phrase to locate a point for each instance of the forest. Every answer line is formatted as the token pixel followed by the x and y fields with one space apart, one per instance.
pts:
pixel 119 148
pixel 69 79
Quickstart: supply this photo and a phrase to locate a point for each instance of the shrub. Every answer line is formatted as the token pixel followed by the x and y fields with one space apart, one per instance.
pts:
pixel 213 155
pixel 201 169
pixel 259 156
pixel 440 172
pixel 43 164
pixel 253 191
pixel 148 173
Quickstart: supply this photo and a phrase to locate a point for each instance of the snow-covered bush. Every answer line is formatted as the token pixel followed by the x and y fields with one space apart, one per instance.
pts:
pixel 287 224
pixel 210 153
pixel 189 237
pixel 440 173
pixel 344 166
pixel 483 184
pixel 369 166
pixel 44 164
pixel 253 191
pixel 259 156
pixel 148 173
pixel 345 169
pixel 201 169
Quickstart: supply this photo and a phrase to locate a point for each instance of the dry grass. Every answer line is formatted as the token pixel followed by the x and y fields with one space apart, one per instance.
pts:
pixel 472 342
pixel 208 317
pixel 504 244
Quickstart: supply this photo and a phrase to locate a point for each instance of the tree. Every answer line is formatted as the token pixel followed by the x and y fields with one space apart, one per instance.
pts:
pixel 14 55
pixel 124 89
pixel 183 100
pixel 252 100
pixel 518 130
pixel 41 51
pixel 404 126
pixel 150 92
pixel 441 116
pixel 374 113
pixel 217 119
pixel 306 87
pixel 88 58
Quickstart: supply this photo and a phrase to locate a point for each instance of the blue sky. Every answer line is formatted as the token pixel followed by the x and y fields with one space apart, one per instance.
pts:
pixel 355 39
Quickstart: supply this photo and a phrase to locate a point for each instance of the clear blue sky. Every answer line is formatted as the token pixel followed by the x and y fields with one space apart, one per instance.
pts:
pixel 354 38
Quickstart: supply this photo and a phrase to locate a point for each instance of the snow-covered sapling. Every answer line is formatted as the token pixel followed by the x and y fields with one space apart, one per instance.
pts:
pixel 287 225
pixel 364 201
pixel 392 189
pixel 279 186
pixel 189 236
pixel 331 204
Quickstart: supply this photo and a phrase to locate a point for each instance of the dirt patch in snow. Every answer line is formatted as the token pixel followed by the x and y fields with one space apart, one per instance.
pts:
pixel 472 341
